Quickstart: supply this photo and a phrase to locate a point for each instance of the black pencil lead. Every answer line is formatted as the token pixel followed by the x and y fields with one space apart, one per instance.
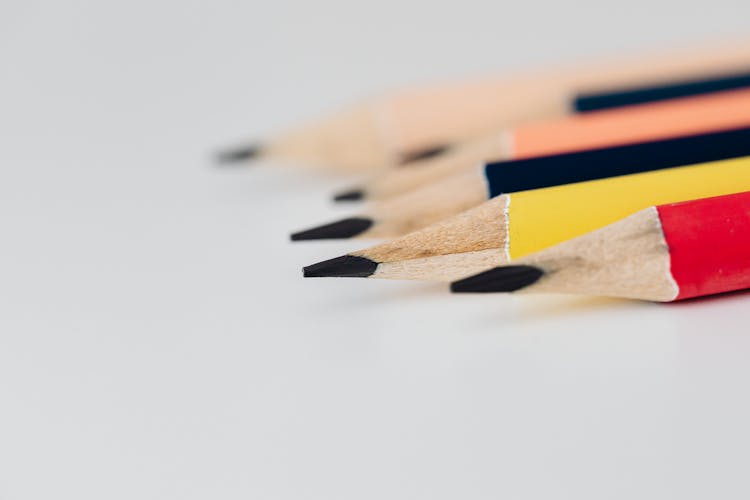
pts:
pixel 355 194
pixel 239 154
pixel 423 154
pixel 345 228
pixel 346 266
pixel 499 279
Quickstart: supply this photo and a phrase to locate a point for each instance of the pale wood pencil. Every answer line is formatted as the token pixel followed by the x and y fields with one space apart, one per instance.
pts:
pixel 383 131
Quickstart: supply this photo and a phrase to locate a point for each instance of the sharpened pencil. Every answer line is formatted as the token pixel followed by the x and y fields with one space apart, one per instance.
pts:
pixel 662 253
pixel 418 121
pixel 514 225
pixel 454 194
pixel 631 124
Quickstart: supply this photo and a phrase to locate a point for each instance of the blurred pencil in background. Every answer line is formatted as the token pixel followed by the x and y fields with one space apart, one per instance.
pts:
pixel 423 121
pixel 610 127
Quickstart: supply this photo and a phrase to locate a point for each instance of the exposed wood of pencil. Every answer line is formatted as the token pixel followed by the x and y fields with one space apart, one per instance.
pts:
pixel 409 212
pixel 472 153
pixel 628 258
pixel 453 248
pixel 352 140
pixel 380 132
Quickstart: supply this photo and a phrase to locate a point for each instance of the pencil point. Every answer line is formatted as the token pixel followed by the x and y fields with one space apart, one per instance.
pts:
pixel 347 266
pixel 239 154
pixel 423 154
pixel 499 279
pixel 350 195
pixel 345 228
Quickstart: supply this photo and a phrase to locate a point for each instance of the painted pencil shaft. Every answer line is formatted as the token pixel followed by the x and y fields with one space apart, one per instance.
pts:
pixel 585 206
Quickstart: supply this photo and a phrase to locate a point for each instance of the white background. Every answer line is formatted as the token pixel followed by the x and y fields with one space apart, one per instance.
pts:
pixel 157 340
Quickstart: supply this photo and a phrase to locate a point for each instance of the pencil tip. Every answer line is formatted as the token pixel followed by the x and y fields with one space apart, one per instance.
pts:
pixel 499 279
pixel 424 154
pixel 345 228
pixel 239 154
pixel 350 195
pixel 347 266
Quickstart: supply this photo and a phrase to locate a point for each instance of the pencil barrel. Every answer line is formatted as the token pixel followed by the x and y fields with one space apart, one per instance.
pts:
pixel 709 244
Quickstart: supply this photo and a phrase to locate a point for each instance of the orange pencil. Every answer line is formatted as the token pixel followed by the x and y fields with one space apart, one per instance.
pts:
pixel 627 125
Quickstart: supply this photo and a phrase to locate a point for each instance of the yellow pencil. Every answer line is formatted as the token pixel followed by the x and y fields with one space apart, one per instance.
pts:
pixel 517 224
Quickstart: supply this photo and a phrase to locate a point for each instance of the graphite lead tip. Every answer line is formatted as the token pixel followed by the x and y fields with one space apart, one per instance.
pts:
pixel 347 266
pixel 355 194
pixel 345 228
pixel 424 154
pixel 240 154
pixel 499 279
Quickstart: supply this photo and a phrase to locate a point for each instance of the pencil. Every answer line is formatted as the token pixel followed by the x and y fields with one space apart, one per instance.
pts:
pixel 411 122
pixel 689 115
pixel 518 224
pixel 459 192
pixel 662 253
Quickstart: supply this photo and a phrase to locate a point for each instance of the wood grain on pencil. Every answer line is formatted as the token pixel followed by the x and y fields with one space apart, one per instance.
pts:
pixel 663 253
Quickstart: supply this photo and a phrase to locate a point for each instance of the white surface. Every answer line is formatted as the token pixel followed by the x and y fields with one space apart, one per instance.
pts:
pixel 157 340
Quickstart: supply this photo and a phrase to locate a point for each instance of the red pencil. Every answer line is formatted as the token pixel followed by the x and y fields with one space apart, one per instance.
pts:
pixel 663 253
